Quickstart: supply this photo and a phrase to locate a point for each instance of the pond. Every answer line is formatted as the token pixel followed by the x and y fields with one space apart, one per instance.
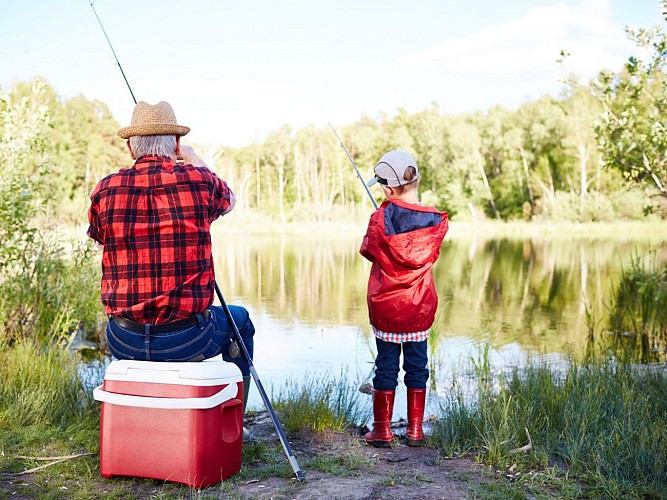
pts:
pixel 526 298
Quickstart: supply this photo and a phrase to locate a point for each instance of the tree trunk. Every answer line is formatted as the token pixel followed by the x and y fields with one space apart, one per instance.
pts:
pixel 526 172
pixel 281 187
pixel 583 179
pixel 488 189
pixel 258 179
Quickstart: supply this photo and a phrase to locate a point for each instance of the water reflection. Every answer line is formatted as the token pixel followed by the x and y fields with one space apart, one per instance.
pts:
pixel 306 294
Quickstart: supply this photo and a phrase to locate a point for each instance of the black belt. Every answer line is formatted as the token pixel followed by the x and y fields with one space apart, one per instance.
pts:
pixel 174 326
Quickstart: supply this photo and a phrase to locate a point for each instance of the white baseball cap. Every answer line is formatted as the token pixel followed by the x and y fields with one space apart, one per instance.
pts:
pixel 390 170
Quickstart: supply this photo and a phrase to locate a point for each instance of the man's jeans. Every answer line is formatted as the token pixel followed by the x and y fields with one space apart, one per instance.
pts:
pixel 209 338
pixel 415 358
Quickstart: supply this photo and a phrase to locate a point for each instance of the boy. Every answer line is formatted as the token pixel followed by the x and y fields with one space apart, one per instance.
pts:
pixel 402 241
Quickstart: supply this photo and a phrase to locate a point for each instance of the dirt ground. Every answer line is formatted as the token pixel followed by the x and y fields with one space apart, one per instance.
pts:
pixel 400 472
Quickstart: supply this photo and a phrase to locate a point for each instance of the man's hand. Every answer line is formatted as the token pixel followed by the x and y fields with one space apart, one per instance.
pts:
pixel 188 155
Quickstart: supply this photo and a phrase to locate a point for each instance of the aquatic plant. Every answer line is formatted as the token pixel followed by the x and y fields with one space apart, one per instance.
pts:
pixel 638 316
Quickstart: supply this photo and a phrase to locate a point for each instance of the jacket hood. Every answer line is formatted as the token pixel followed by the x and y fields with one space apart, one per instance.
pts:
pixel 412 234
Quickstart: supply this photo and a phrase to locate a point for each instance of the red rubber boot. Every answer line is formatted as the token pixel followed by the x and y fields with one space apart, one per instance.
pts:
pixel 414 435
pixel 383 407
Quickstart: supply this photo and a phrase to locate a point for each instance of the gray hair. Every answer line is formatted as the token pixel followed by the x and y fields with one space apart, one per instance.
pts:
pixel 158 145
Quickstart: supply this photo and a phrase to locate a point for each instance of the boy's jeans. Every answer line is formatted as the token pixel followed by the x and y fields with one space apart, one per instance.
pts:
pixel 205 340
pixel 415 358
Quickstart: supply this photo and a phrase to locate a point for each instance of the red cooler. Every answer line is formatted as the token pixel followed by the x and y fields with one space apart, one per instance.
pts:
pixel 180 422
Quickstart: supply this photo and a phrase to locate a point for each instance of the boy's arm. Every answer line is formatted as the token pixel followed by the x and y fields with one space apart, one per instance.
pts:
pixel 366 247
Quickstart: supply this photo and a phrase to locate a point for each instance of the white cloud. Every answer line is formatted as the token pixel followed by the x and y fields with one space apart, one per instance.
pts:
pixel 506 64
pixel 532 43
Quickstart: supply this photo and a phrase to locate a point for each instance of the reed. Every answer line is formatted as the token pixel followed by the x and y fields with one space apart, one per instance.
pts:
pixel 321 402
pixel 639 309
pixel 604 423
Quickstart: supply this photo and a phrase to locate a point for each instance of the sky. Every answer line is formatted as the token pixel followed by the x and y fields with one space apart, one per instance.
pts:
pixel 235 70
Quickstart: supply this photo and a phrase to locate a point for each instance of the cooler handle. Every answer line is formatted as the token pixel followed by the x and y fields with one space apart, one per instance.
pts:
pixel 224 395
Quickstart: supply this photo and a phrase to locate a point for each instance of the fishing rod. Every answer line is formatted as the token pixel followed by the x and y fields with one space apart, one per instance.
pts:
pixel 113 51
pixel 239 340
pixel 349 156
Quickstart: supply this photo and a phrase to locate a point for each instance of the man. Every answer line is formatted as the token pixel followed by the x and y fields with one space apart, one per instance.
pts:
pixel 153 221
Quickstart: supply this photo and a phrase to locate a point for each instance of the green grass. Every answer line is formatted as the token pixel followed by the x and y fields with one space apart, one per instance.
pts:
pixel 605 424
pixel 40 387
pixel 405 477
pixel 263 460
pixel 598 430
pixel 45 411
pixel 342 464
pixel 321 402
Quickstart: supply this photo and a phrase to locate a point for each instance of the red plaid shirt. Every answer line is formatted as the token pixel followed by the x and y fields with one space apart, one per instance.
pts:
pixel 154 221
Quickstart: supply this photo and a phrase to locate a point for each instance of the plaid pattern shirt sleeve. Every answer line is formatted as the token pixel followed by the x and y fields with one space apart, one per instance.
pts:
pixel 154 222
pixel 94 221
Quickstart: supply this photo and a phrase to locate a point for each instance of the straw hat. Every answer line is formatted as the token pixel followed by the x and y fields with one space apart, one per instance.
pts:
pixel 153 120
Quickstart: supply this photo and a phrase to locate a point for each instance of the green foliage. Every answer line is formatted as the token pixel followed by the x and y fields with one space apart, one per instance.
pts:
pixel 23 181
pixel 631 132
pixel 605 422
pixel 538 161
pixel 320 403
pixel 639 309
pixel 62 147
pixel 46 291
pixel 53 296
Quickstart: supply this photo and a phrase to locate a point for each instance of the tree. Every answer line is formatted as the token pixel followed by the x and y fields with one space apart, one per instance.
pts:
pixel 277 155
pixel 632 131
pixel 581 111
pixel 44 293
pixel 470 182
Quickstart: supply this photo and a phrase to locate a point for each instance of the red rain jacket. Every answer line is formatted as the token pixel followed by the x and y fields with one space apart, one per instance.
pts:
pixel 403 241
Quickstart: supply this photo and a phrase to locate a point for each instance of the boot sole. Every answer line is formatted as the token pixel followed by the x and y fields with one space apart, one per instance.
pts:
pixel 414 443
pixel 380 444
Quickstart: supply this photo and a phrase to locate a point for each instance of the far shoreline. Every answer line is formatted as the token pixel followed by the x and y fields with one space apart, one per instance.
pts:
pixel 653 230
pixel 257 225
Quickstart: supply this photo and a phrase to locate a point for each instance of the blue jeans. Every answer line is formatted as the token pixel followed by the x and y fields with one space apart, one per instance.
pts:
pixel 415 358
pixel 208 338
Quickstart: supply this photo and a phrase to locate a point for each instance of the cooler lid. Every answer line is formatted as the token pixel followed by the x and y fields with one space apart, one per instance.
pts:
pixel 213 371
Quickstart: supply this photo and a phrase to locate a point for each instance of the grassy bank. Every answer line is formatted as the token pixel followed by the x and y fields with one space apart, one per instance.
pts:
pixel 45 410
pixel 321 403
pixel 596 431
pixel 603 424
